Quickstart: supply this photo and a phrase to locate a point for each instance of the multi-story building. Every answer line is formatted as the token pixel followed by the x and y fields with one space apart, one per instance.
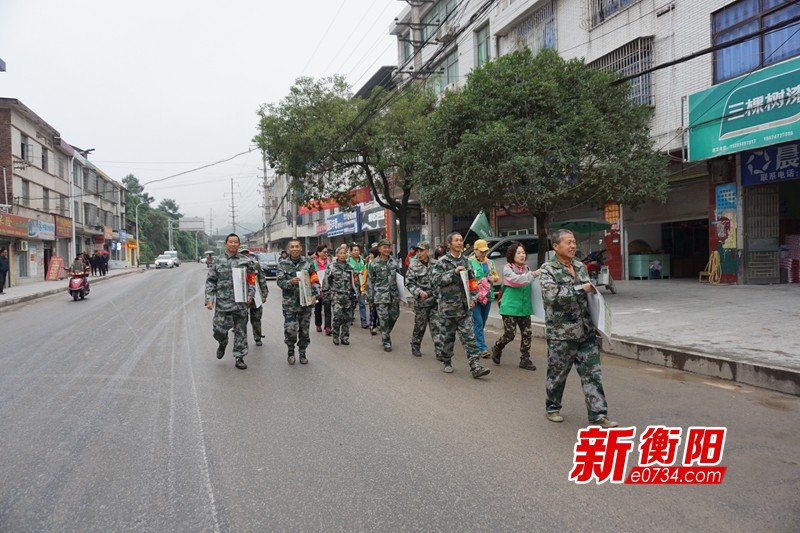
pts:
pixel 733 187
pixel 37 218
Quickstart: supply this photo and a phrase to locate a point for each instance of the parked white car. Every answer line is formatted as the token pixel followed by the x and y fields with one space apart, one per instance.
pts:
pixel 165 261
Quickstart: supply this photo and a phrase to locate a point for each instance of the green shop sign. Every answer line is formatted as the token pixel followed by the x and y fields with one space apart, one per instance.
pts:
pixel 759 109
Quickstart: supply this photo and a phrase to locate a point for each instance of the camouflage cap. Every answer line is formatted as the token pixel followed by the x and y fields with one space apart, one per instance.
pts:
pixel 423 245
pixel 383 242
pixel 244 250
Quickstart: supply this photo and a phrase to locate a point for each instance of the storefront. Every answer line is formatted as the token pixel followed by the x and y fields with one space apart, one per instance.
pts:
pixel 373 225
pixel 30 245
pixel 343 226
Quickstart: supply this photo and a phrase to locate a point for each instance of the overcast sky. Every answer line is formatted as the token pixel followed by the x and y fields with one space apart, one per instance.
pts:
pixel 159 87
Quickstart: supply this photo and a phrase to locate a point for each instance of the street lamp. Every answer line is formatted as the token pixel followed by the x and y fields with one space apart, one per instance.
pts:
pixel 84 153
pixel 138 244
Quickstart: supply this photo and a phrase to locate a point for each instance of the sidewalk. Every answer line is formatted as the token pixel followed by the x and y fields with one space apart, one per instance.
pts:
pixel 36 289
pixel 744 333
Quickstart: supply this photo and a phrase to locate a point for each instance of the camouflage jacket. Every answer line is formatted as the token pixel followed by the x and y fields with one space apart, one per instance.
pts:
pixel 382 281
pixel 338 283
pixel 453 301
pixel 219 281
pixel 418 279
pixel 288 269
pixel 565 303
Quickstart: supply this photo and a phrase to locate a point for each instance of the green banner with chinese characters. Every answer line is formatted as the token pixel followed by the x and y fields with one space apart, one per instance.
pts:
pixel 752 111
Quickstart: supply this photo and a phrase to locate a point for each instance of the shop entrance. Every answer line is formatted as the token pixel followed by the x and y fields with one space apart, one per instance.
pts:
pixel 762 249
pixel 686 242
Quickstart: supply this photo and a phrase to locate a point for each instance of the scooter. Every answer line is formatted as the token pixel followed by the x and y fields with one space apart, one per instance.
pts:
pixel 78 285
pixel 598 272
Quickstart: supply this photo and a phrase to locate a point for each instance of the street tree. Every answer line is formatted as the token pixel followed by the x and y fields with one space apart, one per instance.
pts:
pixel 332 143
pixel 538 132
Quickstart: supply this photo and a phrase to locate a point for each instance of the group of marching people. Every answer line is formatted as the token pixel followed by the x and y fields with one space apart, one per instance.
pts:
pixel 451 293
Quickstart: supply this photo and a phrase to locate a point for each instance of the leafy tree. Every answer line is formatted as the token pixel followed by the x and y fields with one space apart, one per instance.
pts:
pixel 331 143
pixel 539 132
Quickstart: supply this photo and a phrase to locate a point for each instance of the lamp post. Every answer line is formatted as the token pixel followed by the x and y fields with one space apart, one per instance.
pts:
pixel 138 244
pixel 84 153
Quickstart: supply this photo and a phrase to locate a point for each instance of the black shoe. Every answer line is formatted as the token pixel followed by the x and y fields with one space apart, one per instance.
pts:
pixel 387 347
pixel 240 364
pixel 221 351
pixel 336 341
pixel 346 342
pixel 372 330
pixel 496 353
pixel 415 351
pixel 364 326
pixel 303 359
pixel 259 343
pixel 290 359
pixel 478 371
pixel 527 364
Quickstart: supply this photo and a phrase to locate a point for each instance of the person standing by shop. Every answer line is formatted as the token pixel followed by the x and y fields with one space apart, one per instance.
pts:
pixel 256 311
pixel 321 264
pixel 358 265
pixel 420 286
pixel 228 313
pixel 296 317
pixel 382 290
pixel 3 269
pixel 571 338
pixel 339 287
pixel 516 306
pixel 486 276
pixel 455 305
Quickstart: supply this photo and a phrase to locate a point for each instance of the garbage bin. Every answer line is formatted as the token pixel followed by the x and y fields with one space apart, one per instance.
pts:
pixel 655 269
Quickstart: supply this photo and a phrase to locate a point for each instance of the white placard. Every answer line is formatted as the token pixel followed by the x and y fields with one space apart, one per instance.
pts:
pixel 536 298
pixel 601 314
pixel 465 283
pixel 401 287
pixel 306 292
pixel 239 276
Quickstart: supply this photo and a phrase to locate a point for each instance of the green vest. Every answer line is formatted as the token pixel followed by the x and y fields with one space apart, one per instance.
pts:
pixel 516 301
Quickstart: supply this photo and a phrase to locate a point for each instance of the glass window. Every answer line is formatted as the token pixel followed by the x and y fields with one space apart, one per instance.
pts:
pixel 26 193
pixel 45 200
pixel 747 17
pixel 482 46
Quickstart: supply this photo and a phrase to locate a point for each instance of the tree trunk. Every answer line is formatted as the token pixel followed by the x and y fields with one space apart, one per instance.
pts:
pixel 402 233
pixel 542 219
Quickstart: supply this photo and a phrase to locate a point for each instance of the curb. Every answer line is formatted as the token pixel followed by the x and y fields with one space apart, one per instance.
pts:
pixel 49 292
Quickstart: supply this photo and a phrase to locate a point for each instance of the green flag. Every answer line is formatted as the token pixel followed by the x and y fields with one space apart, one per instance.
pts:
pixel 481 226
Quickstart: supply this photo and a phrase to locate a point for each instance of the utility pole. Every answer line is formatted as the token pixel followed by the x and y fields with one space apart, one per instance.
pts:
pixel 210 225
pixel 267 210
pixel 233 208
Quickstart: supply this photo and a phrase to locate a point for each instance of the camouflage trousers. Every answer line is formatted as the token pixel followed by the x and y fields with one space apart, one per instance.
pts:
pixel 422 317
pixel 342 315
pixel 222 324
pixel 255 320
pixel 388 315
pixel 510 324
pixel 448 328
pixel 585 355
pixel 295 327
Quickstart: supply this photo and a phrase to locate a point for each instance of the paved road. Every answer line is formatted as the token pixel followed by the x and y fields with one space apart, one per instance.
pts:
pixel 116 416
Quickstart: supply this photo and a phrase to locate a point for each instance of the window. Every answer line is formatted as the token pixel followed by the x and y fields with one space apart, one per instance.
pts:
pixel 26 193
pixel 483 41
pixel 76 212
pixel 406 43
pixel 628 60
pixel 61 166
pixel 750 16
pixel 438 14
pixel 600 10
pixel 44 159
pixel 536 32
pixel 62 205
pixel 45 199
pixel 25 149
pixel 448 75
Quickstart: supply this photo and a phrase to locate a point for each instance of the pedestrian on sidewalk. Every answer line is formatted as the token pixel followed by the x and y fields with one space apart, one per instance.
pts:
pixel 256 311
pixel 296 317
pixel 3 269
pixel 339 287
pixel 455 305
pixel 419 285
pixel 323 304
pixel 571 338
pixel 228 313
pixel 94 261
pixel 382 290
pixel 486 276
pixel 358 265
pixel 516 306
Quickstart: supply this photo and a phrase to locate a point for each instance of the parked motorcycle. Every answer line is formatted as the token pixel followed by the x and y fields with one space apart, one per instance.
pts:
pixel 598 272
pixel 78 285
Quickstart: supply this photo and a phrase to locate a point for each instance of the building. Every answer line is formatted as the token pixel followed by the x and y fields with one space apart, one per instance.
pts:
pixel 37 218
pixel 735 195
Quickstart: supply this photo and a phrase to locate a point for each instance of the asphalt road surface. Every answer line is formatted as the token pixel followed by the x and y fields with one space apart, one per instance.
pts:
pixel 115 415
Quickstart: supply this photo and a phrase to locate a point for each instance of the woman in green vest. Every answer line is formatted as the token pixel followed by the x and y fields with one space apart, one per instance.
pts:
pixel 516 307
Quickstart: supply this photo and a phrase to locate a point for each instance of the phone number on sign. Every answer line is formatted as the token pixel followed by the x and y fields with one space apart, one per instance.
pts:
pixel 675 475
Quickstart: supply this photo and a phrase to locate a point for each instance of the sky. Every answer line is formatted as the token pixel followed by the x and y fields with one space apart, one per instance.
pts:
pixel 161 87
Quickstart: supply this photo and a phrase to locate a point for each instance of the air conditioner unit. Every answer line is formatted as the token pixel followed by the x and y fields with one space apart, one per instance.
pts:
pixel 22 246
pixel 446 33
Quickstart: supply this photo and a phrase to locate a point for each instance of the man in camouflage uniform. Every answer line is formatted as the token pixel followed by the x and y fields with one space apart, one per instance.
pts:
pixel 420 285
pixel 256 311
pixel 455 309
pixel 339 286
pixel 296 318
pixel 219 296
pixel 382 290
pixel 571 338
